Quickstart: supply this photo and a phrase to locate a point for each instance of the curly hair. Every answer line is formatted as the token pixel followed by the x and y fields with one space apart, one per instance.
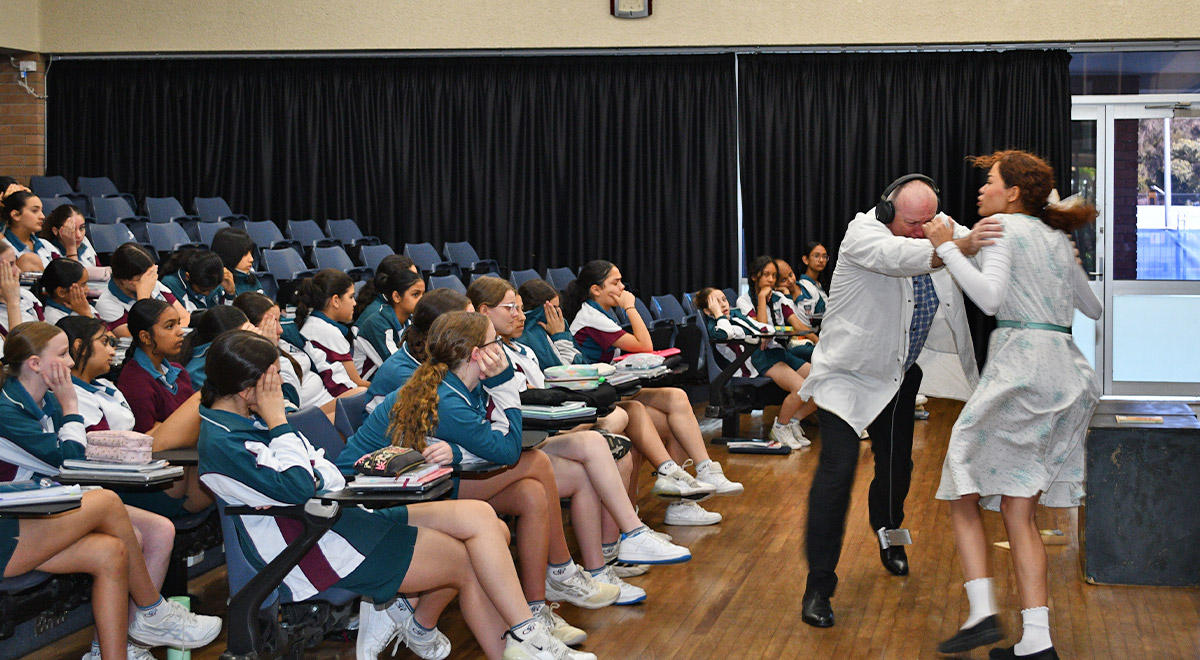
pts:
pixel 1035 178
pixel 451 339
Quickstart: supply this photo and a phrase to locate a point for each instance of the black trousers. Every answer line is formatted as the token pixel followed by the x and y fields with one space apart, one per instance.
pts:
pixel 891 441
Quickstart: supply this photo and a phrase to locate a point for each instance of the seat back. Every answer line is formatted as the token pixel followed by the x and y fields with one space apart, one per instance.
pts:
pixel 373 254
pixel 305 231
pixel 346 230
pixel 264 232
pixel 49 186
pixel 559 278
pixel 107 238
pixel 97 186
pixel 211 209
pixel 164 209
pixel 209 229
pixel 166 237
pixel 314 425
pixel 334 257
pixel 668 307
pixel 109 209
pixel 428 261
pixel 49 204
pixel 350 412
pixel 461 253
pixel 731 296
pixel 519 277
pixel 447 282
pixel 284 263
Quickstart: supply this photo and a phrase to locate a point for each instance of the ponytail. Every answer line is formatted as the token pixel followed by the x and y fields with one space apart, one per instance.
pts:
pixel 313 294
pixel 1035 178
pixel 579 290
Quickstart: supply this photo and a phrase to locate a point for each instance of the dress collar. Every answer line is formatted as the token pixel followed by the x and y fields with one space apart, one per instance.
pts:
pixel 167 377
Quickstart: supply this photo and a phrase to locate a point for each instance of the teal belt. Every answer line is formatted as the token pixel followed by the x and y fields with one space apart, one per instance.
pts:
pixel 1033 326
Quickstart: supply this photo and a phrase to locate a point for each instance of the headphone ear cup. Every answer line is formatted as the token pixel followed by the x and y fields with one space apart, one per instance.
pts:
pixel 885 212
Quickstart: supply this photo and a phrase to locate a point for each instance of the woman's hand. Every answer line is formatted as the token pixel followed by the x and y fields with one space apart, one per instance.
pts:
pixel 625 300
pixel 266 327
pixel 438 453
pixel 77 300
pixel 268 397
pixel 66 237
pixel 938 231
pixel 227 282
pixel 147 283
pixel 554 323
pixel 58 378
pixel 714 310
pixel 492 361
pixel 10 286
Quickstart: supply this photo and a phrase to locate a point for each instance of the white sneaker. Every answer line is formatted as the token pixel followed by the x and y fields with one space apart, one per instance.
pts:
pixel 921 400
pixel 533 642
pixel 782 433
pixel 647 547
pixel 376 629
pixel 580 590
pixel 626 570
pixel 678 483
pixel 132 652
pixel 176 627
pixel 798 434
pixel 690 514
pixel 629 593
pixel 435 646
pixel 565 632
pixel 714 476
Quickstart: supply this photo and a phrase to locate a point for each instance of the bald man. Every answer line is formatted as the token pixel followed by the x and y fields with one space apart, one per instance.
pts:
pixel 865 374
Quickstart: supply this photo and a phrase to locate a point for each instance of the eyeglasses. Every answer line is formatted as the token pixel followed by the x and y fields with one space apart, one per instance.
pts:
pixel 497 340
pixel 513 308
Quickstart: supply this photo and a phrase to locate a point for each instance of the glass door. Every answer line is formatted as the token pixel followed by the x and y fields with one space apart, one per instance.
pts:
pixel 1147 257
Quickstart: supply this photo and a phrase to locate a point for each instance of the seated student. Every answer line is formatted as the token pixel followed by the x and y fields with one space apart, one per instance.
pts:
pixel 208 324
pixel 17 304
pixel 465 396
pixel 549 339
pixel 380 326
pixel 66 231
pixel 588 302
pixel 236 250
pixel 155 388
pixel 198 279
pixel 324 311
pixel 785 369
pixel 250 455
pixel 62 289
pixel 811 298
pixel 302 387
pixel 399 367
pixel 583 464
pixel 769 306
pixel 134 278
pixel 23 220
pixel 41 427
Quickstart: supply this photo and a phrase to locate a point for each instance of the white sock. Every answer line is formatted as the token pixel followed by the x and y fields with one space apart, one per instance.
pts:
pixel 154 612
pixel 703 464
pixel 667 466
pixel 777 425
pixel 1035 631
pixel 400 609
pixel 982 600
pixel 562 571
pixel 418 631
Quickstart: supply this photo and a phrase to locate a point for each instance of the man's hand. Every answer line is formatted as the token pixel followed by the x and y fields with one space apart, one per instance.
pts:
pixel 983 233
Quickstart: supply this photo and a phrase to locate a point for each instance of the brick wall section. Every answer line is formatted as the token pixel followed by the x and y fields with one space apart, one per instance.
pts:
pixel 1125 186
pixel 22 121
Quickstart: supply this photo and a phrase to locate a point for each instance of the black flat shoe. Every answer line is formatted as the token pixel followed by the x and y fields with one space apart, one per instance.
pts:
pixel 895 560
pixel 816 610
pixel 1008 654
pixel 981 634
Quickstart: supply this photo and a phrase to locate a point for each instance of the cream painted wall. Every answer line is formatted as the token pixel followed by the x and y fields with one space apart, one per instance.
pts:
pixel 20 25
pixel 313 25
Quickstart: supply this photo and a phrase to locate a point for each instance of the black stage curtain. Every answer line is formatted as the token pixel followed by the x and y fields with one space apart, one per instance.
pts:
pixel 823 135
pixel 538 161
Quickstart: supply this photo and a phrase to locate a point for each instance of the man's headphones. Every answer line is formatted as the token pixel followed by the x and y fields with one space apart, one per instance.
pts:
pixel 885 210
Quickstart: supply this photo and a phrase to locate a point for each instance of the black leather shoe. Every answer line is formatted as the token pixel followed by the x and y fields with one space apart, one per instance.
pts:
pixel 895 560
pixel 1009 654
pixel 816 610
pixel 981 634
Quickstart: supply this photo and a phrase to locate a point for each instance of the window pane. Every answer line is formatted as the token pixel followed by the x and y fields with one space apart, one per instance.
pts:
pixel 1147 72
pixel 1083 182
pixel 1154 338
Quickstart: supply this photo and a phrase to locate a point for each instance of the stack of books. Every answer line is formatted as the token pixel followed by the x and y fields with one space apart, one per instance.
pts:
pixel 567 411
pixel 22 493
pixel 415 481
pixel 119 473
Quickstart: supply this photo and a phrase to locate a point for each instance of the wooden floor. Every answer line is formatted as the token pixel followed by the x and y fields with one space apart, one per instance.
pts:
pixel 739 597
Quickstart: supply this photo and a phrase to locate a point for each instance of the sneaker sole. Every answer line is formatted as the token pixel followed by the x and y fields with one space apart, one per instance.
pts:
pixel 635 601
pixel 693 497
pixel 176 644
pixel 692 523
pixel 659 562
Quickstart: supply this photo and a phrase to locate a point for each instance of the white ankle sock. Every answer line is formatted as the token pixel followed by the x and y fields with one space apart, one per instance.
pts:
pixel 981 599
pixel 667 466
pixel 703 464
pixel 153 612
pixel 1035 631
pixel 561 571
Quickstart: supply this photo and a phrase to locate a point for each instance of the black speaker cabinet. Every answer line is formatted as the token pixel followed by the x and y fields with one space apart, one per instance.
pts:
pixel 1141 522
